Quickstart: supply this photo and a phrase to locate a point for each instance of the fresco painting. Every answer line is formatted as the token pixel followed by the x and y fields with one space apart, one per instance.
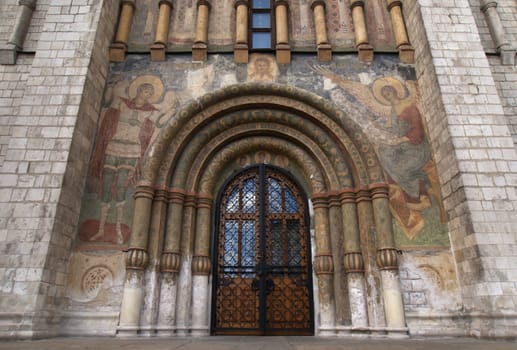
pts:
pixel 135 110
pixel 382 100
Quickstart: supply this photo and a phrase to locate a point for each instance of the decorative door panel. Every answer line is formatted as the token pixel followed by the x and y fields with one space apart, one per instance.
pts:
pixel 262 280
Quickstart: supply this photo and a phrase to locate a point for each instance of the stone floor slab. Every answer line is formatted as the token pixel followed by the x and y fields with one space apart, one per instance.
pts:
pixel 257 343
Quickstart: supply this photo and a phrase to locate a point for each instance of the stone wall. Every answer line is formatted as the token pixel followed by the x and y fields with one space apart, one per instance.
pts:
pixel 43 169
pixel 472 145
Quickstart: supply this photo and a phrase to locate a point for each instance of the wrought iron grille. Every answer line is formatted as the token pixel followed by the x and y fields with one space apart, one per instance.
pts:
pixel 262 280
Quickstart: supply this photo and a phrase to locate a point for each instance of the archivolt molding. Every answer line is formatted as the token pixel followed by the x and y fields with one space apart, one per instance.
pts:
pixel 306 106
pixel 314 140
pixel 231 153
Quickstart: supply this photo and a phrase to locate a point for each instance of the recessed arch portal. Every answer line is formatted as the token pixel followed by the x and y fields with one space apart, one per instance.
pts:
pixel 205 142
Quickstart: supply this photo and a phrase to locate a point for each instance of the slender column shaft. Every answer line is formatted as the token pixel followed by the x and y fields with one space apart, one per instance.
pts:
pixel 354 264
pixel 137 259
pixel 241 22
pixel 170 262
pixel 397 21
pixel 387 258
pixel 164 16
pixel 202 22
pixel 23 21
pixel 361 34
pixel 201 267
pixel 324 265
pixel 497 32
pixel 125 21
pixel 318 8
pixel 282 33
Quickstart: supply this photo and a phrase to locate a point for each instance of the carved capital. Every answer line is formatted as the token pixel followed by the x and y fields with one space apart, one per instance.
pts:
pixel 29 3
pixel 204 3
pixel 320 200
pixel 170 262
pixel 204 201
pixel 176 196
pixel 136 259
pixel 160 195
pixel 128 2
pixel 347 196
pixel 354 262
pixel 201 265
pixel 362 194
pixel 323 264
pixel 144 191
pixel 165 2
pixel 387 259
pixel 281 3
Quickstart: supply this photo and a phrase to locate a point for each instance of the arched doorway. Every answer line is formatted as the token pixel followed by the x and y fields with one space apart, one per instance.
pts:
pixel 262 275
pixel 169 272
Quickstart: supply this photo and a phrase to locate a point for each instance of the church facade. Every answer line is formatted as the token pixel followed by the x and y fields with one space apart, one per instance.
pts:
pixel 258 167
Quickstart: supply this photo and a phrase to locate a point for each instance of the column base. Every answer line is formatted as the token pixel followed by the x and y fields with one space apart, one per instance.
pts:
pixel 406 54
pixel 117 52
pixel 507 56
pixel 158 52
pixel 127 331
pixel 240 53
pixel 324 53
pixel 199 52
pixel 283 54
pixel 8 54
pixel 365 52
pixel 200 332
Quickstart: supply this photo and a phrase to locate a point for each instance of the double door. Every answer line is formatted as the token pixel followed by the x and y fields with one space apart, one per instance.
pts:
pixel 262 280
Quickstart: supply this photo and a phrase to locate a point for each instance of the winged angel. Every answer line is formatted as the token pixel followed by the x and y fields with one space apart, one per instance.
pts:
pixel 394 125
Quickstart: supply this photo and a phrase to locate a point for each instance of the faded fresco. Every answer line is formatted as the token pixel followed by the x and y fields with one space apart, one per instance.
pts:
pixel 221 25
pixel 134 110
pixel 382 97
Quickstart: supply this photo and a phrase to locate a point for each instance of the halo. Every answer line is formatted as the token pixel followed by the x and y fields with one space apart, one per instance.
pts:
pixel 155 81
pixel 396 84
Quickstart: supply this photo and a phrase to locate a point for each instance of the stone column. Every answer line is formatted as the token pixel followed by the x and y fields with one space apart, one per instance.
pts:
pixel 201 267
pixel 354 264
pixel 184 282
pixel 118 48
pixel 406 51
pixel 324 266
pixel 162 31
pixel 137 259
pixel 387 261
pixel 199 49
pixel 360 31
pixel 152 282
pixel 283 50
pixel 497 32
pixel 9 52
pixel 240 50
pixel 322 44
pixel 170 263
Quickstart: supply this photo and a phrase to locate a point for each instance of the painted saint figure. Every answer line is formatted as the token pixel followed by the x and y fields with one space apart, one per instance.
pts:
pixel 397 131
pixel 125 133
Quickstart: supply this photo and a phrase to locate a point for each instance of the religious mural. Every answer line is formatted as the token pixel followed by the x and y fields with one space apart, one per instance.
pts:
pixel 134 110
pixel 382 98
pixel 221 26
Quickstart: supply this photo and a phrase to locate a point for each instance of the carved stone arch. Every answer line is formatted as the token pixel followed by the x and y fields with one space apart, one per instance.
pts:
pixel 189 155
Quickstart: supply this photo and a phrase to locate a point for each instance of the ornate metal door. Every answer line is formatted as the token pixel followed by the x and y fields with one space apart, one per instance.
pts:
pixel 262 279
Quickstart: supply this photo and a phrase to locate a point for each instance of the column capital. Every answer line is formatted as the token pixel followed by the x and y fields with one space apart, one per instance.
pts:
pixel 201 265
pixel 353 262
pixel 128 2
pixel 387 258
pixel 486 4
pixel 29 3
pixel 241 2
pixel 317 3
pixel 355 3
pixel 205 3
pixel 165 2
pixel 323 264
pixel 393 3
pixel 170 262
pixel 281 3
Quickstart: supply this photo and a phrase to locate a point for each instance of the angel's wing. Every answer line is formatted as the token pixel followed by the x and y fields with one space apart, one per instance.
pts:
pixel 361 92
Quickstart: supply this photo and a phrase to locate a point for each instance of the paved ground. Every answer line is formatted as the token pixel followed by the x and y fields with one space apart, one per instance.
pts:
pixel 258 343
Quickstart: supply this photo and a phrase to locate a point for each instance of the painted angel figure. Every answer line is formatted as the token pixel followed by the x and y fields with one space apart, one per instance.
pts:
pixel 395 127
pixel 127 128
